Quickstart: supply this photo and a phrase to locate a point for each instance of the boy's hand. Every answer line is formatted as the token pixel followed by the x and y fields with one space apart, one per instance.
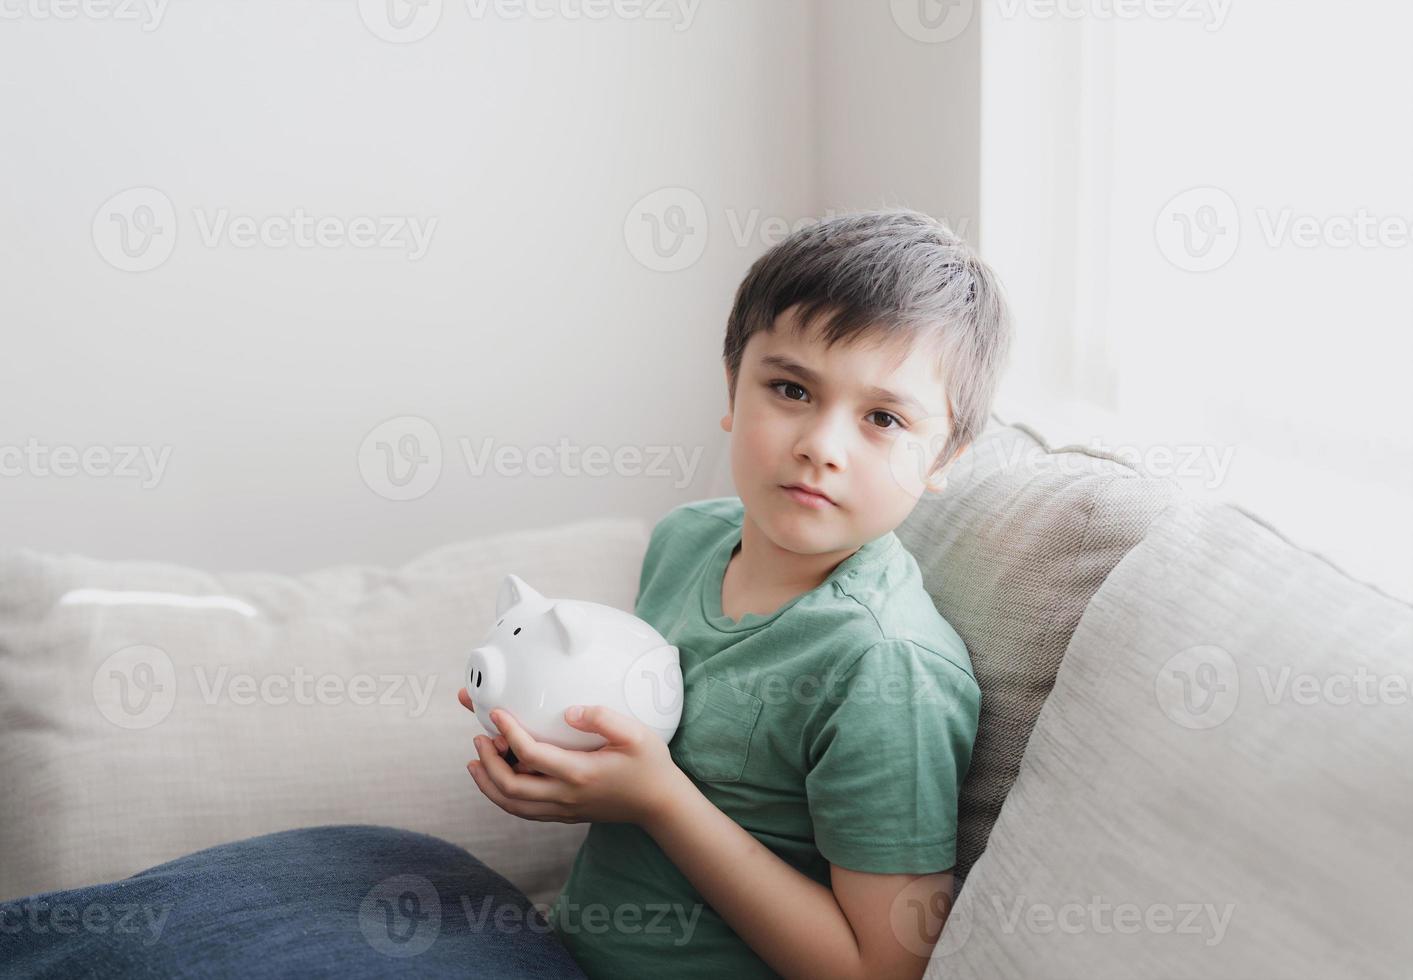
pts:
pixel 628 780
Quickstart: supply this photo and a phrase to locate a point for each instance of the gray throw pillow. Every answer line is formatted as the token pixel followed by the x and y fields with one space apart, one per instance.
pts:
pixel 1218 786
pixel 1011 552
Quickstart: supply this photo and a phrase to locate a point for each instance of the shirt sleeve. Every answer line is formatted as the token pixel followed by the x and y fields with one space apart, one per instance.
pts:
pixel 652 556
pixel 889 745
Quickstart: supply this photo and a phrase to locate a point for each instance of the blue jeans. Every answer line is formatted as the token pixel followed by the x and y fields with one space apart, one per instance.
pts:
pixel 345 901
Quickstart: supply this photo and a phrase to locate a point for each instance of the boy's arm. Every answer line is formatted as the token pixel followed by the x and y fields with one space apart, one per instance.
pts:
pixel 868 926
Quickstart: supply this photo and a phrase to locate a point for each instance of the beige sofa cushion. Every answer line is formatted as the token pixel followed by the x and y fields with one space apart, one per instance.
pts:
pixel 1011 553
pixel 140 727
pixel 1218 786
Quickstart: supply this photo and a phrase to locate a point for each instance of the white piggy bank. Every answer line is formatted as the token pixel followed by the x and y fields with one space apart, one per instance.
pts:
pixel 544 655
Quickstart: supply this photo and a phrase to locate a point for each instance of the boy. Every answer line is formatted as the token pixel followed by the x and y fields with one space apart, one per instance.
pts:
pixel 803 820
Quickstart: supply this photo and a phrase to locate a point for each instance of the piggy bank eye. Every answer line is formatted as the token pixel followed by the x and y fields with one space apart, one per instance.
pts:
pixel 478 679
pixel 517 631
pixel 500 622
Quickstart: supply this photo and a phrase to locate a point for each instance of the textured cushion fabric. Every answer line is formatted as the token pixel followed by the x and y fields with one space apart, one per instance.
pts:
pixel 1218 786
pixel 150 710
pixel 1011 552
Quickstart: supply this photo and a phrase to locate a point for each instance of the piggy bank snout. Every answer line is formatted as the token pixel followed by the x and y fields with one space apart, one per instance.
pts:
pixel 485 675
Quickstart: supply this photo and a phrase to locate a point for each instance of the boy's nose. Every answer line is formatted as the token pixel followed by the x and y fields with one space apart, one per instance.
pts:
pixel 824 449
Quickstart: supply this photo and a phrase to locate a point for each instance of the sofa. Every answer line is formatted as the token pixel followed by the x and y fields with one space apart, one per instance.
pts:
pixel 1192 758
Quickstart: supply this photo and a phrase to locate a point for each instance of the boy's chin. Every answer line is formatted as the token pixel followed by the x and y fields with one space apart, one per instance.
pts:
pixel 805 534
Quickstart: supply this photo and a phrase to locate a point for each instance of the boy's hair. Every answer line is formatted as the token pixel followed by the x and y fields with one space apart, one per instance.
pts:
pixel 885 274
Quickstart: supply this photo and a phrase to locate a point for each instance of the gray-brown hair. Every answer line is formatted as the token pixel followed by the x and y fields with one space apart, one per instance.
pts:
pixel 886 274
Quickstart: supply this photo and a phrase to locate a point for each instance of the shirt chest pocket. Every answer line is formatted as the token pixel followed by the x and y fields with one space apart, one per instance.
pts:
pixel 714 737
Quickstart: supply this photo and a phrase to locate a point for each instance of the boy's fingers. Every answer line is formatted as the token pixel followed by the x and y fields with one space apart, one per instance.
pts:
pixel 502 746
pixel 508 754
pixel 612 725
pixel 539 756
pixel 522 787
pixel 519 808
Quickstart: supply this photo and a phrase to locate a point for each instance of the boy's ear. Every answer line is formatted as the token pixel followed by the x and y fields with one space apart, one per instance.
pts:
pixel 937 481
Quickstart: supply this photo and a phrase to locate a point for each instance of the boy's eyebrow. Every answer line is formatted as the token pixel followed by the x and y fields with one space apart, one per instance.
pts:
pixel 873 392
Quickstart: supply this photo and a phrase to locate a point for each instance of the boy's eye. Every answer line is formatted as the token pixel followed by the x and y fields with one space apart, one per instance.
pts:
pixel 778 385
pixel 889 415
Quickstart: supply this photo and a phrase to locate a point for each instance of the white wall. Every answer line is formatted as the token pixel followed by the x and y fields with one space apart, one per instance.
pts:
pixel 262 369
pixel 539 312
pixel 1260 360
pixel 899 113
pixel 540 316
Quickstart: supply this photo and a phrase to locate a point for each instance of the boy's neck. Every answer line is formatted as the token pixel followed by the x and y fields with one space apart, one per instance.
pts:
pixel 763 566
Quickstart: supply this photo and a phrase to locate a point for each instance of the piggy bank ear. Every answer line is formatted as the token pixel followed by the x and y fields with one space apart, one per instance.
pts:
pixel 513 591
pixel 569 627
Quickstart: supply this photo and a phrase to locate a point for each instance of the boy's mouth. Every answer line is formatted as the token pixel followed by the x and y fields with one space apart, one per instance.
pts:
pixel 807 495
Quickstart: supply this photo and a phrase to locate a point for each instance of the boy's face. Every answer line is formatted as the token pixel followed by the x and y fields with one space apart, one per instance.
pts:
pixel 827 429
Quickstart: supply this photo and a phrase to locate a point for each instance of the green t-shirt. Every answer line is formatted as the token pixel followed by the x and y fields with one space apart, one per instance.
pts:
pixel 836 729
